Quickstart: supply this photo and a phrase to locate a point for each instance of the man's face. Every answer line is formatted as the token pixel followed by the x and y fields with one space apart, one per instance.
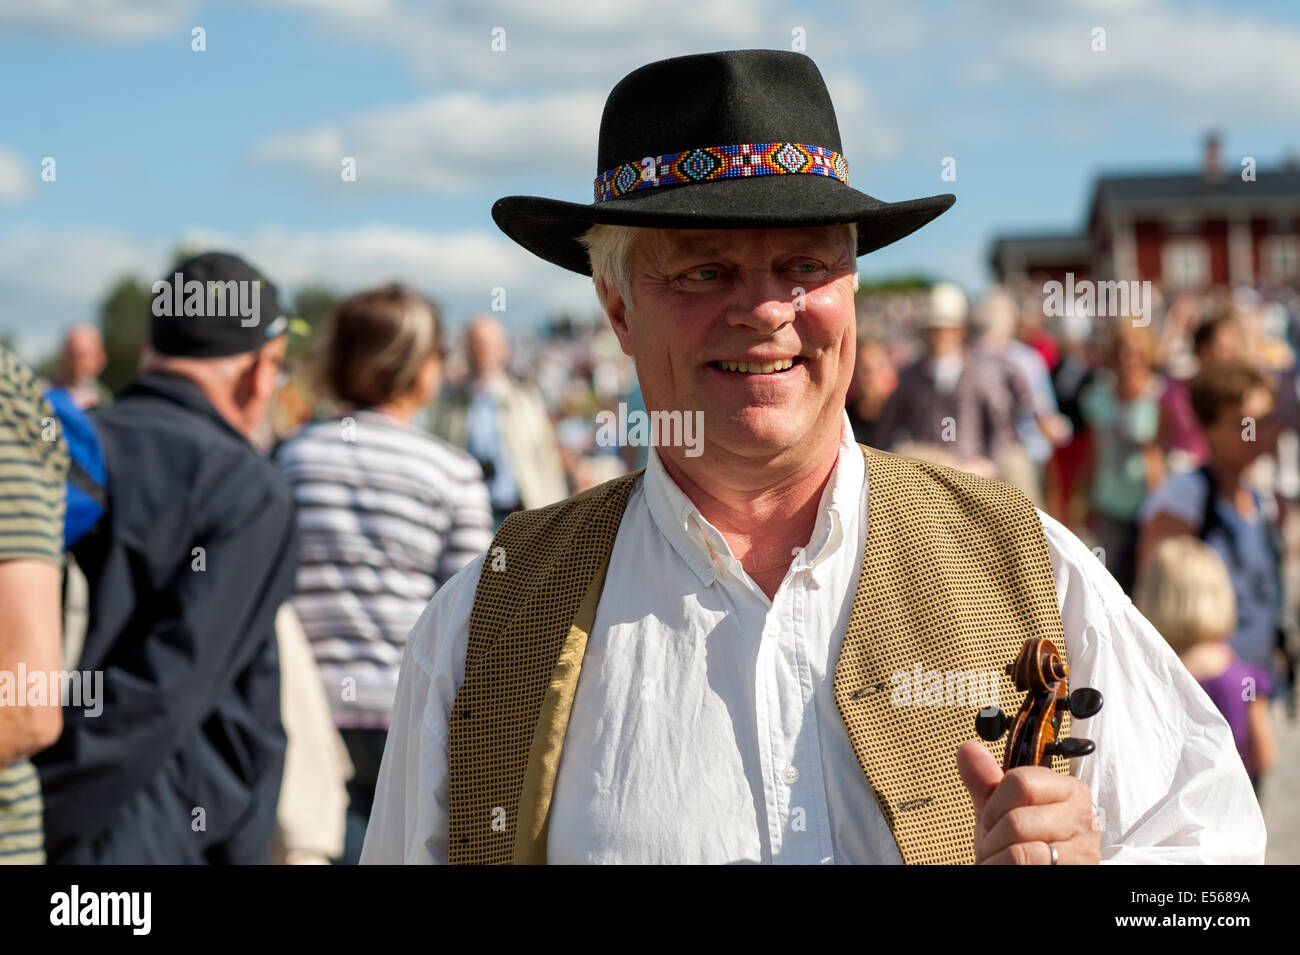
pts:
pixel 83 356
pixel 1232 441
pixel 263 370
pixel 704 300
pixel 489 350
pixel 1226 345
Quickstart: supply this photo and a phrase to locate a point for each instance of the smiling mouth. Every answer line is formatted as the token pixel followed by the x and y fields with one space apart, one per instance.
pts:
pixel 757 368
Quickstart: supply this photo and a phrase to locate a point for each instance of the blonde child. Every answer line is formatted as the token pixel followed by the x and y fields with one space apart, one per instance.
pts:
pixel 1185 591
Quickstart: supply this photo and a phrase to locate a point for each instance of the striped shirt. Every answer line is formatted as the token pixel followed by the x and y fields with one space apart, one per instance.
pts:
pixel 33 468
pixel 386 514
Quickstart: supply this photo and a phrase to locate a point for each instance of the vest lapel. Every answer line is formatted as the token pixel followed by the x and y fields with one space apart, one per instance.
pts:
pixel 534 605
pixel 951 585
pixel 553 722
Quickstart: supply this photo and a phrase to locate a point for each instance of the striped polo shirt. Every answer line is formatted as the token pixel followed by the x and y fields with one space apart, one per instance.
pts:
pixel 33 468
pixel 386 515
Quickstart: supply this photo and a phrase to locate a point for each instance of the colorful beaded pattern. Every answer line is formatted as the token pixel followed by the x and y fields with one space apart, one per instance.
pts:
pixel 721 162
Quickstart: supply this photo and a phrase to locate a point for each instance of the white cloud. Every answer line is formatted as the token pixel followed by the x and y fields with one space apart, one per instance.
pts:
pixel 458 269
pixel 102 19
pixel 868 130
pixel 1194 65
pixel 50 279
pixel 556 41
pixel 16 178
pixel 448 141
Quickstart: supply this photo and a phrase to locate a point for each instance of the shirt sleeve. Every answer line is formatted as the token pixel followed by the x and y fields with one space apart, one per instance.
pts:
pixel 470 532
pixel 409 819
pixel 1020 386
pixel 1166 779
pixel 1092 405
pixel 1182 496
pixel 33 469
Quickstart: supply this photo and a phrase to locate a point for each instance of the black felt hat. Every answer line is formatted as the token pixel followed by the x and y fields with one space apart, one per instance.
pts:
pixel 743 139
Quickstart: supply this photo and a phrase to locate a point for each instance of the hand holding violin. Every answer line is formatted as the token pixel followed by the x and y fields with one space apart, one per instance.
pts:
pixel 1026 814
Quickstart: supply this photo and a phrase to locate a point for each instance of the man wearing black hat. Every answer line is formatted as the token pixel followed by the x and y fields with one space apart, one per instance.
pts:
pixel 196 553
pixel 768 651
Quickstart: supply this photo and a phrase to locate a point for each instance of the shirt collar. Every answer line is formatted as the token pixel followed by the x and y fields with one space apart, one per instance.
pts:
pixel 182 391
pixel 704 549
pixel 383 418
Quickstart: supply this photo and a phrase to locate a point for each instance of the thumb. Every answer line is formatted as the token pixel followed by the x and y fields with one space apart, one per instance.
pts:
pixel 979 771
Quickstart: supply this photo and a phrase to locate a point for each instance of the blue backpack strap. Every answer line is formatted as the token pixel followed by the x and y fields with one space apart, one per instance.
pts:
pixel 87 484
pixel 1209 511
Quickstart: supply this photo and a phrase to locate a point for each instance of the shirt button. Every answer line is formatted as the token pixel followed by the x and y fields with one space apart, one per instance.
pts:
pixel 790 775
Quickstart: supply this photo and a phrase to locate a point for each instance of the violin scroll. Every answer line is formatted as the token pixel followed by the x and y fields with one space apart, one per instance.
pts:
pixel 1040 673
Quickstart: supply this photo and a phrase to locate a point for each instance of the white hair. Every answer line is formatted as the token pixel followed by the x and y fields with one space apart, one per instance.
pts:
pixel 609 248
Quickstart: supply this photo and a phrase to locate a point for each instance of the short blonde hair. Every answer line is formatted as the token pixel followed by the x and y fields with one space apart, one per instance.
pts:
pixel 1185 591
pixel 609 249
pixel 376 343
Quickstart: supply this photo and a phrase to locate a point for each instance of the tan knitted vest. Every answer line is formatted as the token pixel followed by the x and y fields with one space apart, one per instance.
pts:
pixel 955 576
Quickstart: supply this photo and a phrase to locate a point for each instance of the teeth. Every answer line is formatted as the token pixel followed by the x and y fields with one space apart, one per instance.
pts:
pixel 758 368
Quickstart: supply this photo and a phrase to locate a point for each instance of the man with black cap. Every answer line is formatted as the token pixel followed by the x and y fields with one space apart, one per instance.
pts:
pixel 733 655
pixel 197 551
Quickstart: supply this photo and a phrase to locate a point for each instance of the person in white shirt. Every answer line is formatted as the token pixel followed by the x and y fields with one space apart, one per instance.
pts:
pixel 704 728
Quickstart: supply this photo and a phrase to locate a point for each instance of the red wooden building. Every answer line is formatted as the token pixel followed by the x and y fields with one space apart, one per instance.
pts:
pixel 1183 231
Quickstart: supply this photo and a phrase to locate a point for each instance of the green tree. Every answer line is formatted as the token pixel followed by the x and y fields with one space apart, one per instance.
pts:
pixel 311 305
pixel 124 323
pixel 895 284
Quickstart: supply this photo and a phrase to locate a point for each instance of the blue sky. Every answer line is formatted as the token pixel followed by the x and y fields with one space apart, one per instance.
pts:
pixel 240 145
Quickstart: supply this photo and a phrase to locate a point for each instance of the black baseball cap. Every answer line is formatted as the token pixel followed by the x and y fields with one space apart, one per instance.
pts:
pixel 212 305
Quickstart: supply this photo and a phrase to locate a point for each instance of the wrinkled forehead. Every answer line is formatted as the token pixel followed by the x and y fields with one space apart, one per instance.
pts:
pixel 721 243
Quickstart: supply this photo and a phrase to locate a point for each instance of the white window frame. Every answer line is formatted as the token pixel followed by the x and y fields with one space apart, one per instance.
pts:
pixel 1279 257
pixel 1185 262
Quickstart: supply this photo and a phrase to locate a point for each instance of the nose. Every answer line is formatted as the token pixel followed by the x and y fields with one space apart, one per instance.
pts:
pixel 763 301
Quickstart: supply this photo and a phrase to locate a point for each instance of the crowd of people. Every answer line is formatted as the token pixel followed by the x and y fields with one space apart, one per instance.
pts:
pixel 1166 441
pixel 269 531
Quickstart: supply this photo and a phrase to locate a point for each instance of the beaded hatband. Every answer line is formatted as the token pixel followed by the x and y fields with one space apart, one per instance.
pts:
pixel 721 162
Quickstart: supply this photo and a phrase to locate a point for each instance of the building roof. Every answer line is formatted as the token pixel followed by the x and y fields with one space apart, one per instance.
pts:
pixel 1060 245
pixel 1027 250
pixel 1182 187
pixel 1274 190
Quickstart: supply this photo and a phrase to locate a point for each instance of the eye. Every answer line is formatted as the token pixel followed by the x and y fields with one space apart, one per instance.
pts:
pixel 702 277
pixel 806 267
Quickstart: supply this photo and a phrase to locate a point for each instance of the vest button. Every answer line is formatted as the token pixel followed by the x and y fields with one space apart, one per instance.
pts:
pixel 790 775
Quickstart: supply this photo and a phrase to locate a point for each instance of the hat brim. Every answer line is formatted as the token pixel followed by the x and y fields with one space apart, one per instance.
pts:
pixel 549 228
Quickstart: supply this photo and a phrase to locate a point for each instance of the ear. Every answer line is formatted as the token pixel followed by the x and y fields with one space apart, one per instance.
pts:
pixel 616 311
pixel 430 375
pixel 248 385
pixel 258 379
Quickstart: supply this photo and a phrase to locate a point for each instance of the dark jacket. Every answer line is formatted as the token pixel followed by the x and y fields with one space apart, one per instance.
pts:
pixel 184 763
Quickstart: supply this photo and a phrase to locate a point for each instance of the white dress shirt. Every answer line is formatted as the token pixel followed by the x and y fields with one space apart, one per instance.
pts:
pixel 704 727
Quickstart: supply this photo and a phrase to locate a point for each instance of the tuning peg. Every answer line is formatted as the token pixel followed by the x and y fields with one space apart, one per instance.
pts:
pixel 1084 702
pixel 991 723
pixel 1070 747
